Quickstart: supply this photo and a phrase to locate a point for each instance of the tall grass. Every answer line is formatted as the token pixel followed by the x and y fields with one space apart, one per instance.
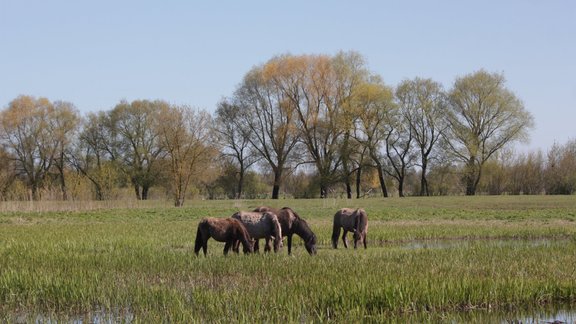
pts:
pixel 139 263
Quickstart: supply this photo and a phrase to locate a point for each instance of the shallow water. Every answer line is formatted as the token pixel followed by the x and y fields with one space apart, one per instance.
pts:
pixel 560 314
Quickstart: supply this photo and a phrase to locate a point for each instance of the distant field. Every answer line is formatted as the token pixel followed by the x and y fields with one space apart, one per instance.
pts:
pixel 426 257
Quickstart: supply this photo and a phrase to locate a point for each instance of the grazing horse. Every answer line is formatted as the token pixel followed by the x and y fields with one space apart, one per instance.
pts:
pixel 222 230
pixel 350 220
pixel 291 224
pixel 261 225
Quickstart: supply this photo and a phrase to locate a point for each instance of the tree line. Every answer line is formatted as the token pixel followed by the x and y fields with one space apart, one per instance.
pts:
pixel 304 125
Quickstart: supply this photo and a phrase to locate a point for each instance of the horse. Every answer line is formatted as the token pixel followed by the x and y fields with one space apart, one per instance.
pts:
pixel 261 225
pixel 350 220
pixel 291 224
pixel 227 230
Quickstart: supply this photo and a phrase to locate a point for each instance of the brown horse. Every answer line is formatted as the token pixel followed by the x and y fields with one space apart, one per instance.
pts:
pixel 350 220
pixel 291 224
pixel 227 230
pixel 261 225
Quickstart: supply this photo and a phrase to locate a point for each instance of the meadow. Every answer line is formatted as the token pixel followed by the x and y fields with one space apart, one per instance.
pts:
pixel 428 259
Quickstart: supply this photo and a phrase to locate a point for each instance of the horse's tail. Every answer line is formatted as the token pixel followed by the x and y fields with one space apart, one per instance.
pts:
pixel 361 220
pixel 337 224
pixel 200 236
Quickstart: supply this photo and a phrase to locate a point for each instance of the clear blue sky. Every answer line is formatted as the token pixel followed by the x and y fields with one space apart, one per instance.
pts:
pixel 95 53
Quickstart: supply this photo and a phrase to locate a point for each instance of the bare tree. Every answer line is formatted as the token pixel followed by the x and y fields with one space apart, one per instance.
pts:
pixel 424 106
pixel 186 136
pixel 235 140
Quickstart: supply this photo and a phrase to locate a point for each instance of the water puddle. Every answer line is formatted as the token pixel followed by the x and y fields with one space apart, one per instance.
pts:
pixel 548 316
pixel 94 317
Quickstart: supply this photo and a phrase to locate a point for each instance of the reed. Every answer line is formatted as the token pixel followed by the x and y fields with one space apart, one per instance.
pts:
pixel 426 257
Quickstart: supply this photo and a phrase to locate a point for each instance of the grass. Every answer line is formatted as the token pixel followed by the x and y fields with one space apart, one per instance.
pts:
pixel 426 257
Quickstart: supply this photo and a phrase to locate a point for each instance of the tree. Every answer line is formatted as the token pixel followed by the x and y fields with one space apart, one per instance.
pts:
pixel 235 141
pixel 184 133
pixel 7 176
pixel 63 125
pixel 424 104
pixel 28 135
pixel 93 155
pixel 373 102
pixel 560 172
pixel 268 117
pixel 484 116
pixel 135 144
pixel 398 146
pixel 320 89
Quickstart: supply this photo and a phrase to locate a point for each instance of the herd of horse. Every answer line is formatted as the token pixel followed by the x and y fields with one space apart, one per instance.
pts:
pixel 271 224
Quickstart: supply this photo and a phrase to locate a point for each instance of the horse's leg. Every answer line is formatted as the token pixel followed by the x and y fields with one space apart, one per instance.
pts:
pixel 205 246
pixel 335 235
pixel 344 240
pixel 256 246
pixel 236 246
pixel 267 246
pixel 289 244
pixel 227 247
pixel 364 240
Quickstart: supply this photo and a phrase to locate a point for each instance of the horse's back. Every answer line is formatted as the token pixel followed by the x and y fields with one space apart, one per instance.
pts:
pixel 258 224
pixel 345 218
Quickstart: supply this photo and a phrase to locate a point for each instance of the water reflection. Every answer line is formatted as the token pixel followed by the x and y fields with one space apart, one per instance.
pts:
pixel 94 317
pixel 537 316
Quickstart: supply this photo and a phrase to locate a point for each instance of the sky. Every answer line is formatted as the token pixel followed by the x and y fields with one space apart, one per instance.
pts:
pixel 96 53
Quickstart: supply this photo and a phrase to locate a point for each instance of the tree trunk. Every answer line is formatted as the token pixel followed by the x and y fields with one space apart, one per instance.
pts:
pixel 423 182
pixel 381 179
pixel 137 191
pixel 277 182
pixel 401 186
pixel 470 177
pixel 348 189
pixel 358 181
pixel 240 184
pixel 145 190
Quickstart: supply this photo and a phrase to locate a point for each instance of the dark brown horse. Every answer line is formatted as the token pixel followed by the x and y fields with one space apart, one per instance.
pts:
pixel 261 225
pixel 227 230
pixel 350 220
pixel 291 224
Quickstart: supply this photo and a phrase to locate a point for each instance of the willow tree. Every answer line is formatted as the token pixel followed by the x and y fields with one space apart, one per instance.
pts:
pixel 34 131
pixel 268 116
pixel 484 116
pixel 320 88
pixel 373 103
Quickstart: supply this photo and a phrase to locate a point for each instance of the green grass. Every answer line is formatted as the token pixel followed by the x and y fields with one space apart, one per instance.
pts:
pixel 426 257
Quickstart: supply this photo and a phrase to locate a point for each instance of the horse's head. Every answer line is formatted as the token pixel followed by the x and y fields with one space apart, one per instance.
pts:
pixel 249 248
pixel 310 245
